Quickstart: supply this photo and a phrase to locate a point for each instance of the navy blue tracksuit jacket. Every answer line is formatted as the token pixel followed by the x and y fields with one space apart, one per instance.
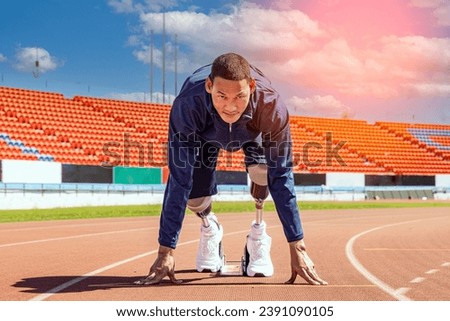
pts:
pixel 196 133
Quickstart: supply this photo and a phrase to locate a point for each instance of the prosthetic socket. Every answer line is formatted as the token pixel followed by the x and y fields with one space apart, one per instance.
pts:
pixel 258 188
pixel 202 207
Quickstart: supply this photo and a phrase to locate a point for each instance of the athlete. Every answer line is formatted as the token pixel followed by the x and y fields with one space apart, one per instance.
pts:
pixel 229 105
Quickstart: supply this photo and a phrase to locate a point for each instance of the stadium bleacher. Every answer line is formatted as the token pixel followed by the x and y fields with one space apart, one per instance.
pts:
pixel 44 126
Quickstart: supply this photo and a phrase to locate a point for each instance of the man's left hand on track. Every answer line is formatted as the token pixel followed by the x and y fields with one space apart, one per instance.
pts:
pixel 302 265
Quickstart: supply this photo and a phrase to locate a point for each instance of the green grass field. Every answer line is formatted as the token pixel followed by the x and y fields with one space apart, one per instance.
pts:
pixel 219 207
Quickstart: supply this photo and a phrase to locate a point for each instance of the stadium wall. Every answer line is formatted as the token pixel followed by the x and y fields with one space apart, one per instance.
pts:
pixel 345 180
pixel 442 180
pixel 60 185
pixel 22 171
pixel 442 185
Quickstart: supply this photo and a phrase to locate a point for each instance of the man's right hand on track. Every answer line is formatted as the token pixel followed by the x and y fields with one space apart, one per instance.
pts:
pixel 163 266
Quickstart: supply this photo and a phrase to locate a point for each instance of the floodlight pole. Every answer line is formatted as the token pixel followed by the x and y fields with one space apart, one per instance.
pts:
pixel 164 58
pixel 176 64
pixel 151 66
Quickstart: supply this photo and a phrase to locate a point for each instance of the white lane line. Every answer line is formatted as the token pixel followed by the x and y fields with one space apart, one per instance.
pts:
pixel 401 291
pixel 64 226
pixel 74 237
pixel 445 264
pixel 432 271
pixel 369 276
pixel 67 284
pixel 79 279
pixel 79 236
pixel 418 279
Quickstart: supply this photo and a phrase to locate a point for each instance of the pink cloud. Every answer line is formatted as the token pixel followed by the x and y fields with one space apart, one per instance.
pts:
pixel 440 8
pixel 350 49
pixel 400 65
pixel 327 106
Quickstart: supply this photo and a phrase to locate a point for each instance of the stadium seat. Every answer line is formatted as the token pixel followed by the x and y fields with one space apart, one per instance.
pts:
pixel 76 131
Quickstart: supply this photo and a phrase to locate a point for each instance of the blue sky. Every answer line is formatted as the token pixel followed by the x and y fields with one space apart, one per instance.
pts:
pixel 372 60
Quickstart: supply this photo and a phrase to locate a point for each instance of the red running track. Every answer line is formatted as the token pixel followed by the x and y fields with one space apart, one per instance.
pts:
pixel 370 254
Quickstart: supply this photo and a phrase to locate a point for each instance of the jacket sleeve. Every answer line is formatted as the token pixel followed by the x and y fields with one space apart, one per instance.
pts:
pixel 181 157
pixel 277 144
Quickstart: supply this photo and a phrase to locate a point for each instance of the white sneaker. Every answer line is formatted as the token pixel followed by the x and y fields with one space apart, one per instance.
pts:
pixel 258 248
pixel 209 255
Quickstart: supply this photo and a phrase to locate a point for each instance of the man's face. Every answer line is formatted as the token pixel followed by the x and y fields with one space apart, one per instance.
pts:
pixel 230 97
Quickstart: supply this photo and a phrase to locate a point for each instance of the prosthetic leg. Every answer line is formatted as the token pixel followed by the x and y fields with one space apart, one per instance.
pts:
pixel 258 242
pixel 259 194
pixel 256 260
pixel 210 253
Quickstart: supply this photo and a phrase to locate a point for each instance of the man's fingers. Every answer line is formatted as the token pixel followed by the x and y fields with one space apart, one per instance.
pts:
pixel 316 277
pixel 155 280
pixel 310 272
pixel 306 275
pixel 303 274
pixel 173 278
pixel 159 275
pixel 293 277
pixel 145 280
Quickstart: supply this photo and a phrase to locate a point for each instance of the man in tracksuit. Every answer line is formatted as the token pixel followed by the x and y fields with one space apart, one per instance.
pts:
pixel 229 105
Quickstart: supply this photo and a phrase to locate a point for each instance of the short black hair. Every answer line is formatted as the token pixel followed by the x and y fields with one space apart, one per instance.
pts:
pixel 230 66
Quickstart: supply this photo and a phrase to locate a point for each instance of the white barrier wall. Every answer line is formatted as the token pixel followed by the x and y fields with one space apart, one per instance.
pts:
pixel 23 171
pixel 442 180
pixel 345 180
pixel 32 200
pixel 51 199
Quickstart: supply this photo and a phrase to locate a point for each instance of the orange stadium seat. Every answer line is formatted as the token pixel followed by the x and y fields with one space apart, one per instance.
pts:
pixel 79 130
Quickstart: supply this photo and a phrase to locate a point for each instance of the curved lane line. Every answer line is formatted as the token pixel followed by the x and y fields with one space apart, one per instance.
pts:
pixel 369 276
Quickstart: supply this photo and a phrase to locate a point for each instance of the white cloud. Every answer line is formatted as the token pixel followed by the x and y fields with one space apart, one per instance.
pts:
pixel 28 58
pixel 293 49
pixel 399 66
pixel 442 15
pixel 2 57
pixel 426 3
pixel 425 67
pixel 441 9
pixel 274 36
pixel 431 89
pixel 280 4
pixel 323 106
pixel 289 46
pixel 122 6
pixel 157 97
pixel 184 63
pixel 132 6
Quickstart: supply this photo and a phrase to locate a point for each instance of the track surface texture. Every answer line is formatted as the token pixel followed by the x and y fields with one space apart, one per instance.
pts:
pixel 365 255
